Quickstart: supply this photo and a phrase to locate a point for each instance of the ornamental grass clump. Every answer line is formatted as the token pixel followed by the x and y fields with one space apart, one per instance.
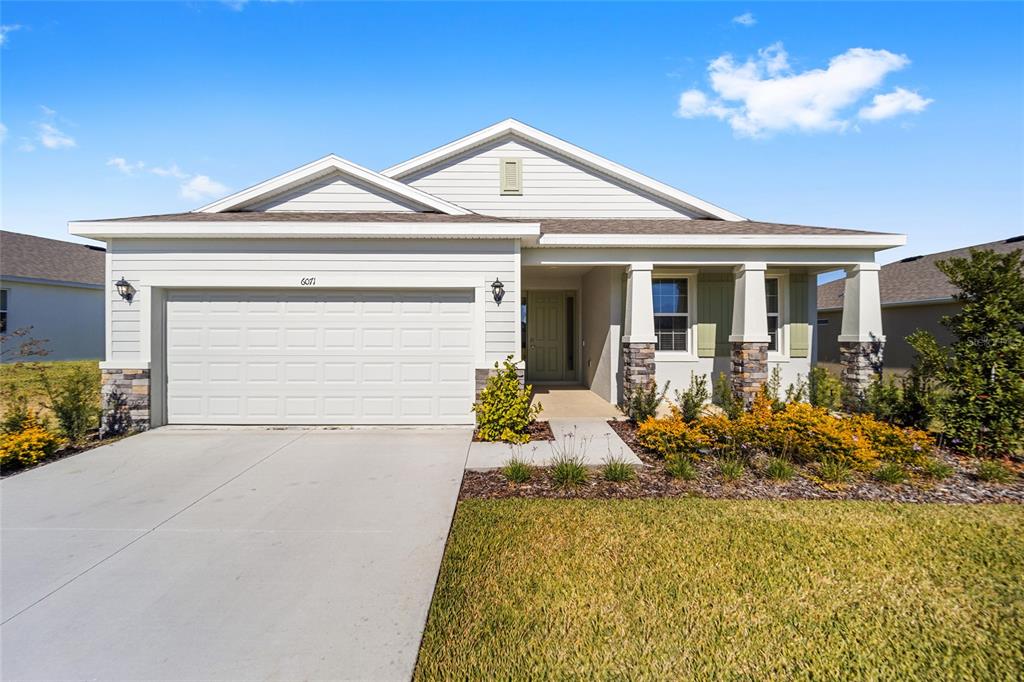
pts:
pixel 992 471
pixel 834 470
pixel 779 469
pixel 682 467
pixel 936 469
pixel 730 468
pixel 503 412
pixel 617 470
pixel 517 471
pixel 890 472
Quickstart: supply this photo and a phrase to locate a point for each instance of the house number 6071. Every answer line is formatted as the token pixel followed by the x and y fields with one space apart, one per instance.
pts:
pixel 307 281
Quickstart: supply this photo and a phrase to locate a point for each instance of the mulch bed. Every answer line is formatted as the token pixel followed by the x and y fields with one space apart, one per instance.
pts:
pixel 94 442
pixel 654 481
pixel 538 430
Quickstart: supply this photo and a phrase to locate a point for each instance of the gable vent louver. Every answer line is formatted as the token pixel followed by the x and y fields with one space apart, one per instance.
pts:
pixel 510 172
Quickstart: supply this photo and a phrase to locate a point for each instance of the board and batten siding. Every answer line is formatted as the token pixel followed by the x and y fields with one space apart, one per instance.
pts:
pixel 335 263
pixel 551 187
pixel 335 193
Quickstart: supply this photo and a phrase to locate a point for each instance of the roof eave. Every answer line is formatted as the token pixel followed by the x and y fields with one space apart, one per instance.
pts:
pixel 106 230
pixel 859 241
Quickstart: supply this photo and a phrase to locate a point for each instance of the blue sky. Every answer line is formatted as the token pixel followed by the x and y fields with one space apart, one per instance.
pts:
pixel 198 97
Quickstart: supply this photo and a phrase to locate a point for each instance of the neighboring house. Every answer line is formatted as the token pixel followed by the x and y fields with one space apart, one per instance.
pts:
pixel 57 288
pixel 915 295
pixel 336 294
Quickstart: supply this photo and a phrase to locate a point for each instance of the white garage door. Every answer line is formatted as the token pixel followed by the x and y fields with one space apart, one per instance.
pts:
pixel 341 357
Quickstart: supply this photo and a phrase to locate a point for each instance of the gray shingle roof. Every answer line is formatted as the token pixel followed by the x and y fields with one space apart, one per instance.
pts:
pixel 915 278
pixel 25 255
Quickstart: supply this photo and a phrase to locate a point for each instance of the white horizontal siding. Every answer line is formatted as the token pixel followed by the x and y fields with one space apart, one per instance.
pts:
pixel 212 263
pixel 334 193
pixel 552 187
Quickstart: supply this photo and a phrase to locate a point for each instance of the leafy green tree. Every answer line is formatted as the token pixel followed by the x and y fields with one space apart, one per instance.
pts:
pixel 981 403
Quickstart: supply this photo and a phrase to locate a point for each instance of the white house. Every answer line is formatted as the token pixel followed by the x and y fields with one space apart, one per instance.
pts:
pixel 333 294
pixel 54 290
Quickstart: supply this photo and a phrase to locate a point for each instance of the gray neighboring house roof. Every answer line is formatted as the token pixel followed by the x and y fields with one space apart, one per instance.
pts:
pixel 914 279
pixel 640 226
pixel 26 256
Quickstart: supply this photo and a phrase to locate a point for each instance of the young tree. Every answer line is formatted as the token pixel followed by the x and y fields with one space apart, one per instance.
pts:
pixel 982 372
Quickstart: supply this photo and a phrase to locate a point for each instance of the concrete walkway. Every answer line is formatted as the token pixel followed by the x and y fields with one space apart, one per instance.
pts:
pixel 594 440
pixel 219 554
pixel 572 402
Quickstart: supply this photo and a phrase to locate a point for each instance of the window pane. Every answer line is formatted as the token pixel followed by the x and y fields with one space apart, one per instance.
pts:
pixel 669 296
pixel 771 291
pixel 773 332
pixel 670 332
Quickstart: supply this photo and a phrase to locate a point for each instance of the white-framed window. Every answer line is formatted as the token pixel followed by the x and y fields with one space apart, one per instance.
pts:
pixel 3 310
pixel 671 313
pixel 774 306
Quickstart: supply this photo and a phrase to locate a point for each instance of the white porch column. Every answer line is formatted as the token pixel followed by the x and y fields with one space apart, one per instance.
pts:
pixel 639 322
pixel 861 341
pixel 638 329
pixel 749 338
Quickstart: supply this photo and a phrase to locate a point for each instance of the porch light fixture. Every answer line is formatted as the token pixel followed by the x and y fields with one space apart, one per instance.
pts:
pixel 125 289
pixel 498 290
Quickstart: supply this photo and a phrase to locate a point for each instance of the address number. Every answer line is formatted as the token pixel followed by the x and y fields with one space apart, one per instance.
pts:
pixel 307 281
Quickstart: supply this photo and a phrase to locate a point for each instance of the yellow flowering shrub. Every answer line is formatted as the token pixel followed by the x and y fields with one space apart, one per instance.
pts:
pixel 671 435
pixel 28 446
pixel 892 443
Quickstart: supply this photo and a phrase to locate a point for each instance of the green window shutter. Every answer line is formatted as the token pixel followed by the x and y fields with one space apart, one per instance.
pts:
pixel 799 329
pixel 714 315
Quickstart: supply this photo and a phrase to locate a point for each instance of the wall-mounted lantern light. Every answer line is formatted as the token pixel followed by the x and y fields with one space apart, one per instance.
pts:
pixel 498 289
pixel 125 289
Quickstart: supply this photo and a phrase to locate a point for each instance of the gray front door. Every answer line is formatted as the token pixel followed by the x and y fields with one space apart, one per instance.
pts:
pixel 549 332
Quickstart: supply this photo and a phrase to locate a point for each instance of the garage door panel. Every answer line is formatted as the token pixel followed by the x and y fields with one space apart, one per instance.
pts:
pixel 374 357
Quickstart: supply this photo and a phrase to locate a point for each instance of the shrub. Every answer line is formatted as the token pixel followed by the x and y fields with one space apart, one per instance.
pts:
pixel 811 434
pixel 641 402
pixel 982 371
pixel 730 468
pixel 779 469
pixel 834 470
pixel 935 468
pixel 517 471
pixel 28 446
pixel 75 402
pixel 892 443
pixel 725 398
pixel 680 466
pixel 16 410
pixel 671 435
pixel 796 393
pixel 567 471
pixel 693 398
pixel 824 390
pixel 991 471
pixel 890 472
pixel 503 411
pixel 772 387
pixel 617 470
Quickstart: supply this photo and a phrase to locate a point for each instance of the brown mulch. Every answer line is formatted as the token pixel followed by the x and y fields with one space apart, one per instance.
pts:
pixel 92 443
pixel 537 431
pixel 654 481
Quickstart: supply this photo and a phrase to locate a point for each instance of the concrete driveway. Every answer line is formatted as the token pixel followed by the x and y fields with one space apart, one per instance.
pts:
pixel 243 554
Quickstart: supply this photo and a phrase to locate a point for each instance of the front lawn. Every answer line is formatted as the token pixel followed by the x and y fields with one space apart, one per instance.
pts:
pixel 24 377
pixel 694 588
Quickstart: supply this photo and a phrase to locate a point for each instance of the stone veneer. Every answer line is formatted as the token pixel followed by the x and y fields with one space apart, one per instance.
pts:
pixel 862 363
pixel 125 396
pixel 749 369
pixel 637 366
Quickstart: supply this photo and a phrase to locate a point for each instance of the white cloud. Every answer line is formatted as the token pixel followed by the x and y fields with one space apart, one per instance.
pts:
pixel 899 101
pixel 126 167
pixel 171 171
pixel 5 29
pixel 52 137
pixel 26 145
pixel 3 133
pixel 202 187
pixel 764 95
pixel 745 19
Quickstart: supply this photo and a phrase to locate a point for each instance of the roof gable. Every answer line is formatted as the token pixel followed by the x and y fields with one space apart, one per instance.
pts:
pixel 332 169
pixel 516 130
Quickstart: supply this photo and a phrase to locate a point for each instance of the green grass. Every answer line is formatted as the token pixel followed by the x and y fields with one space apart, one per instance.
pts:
pixel 24 377
pixel 706 589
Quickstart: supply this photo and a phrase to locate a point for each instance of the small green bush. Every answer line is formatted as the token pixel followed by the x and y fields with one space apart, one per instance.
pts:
pixel 730 468
pixel 935 468
pixel 617 470
pixel 890 472
pixel 503 412
pixel 680 466
pixel 779 469
pixel 16 411
pixel 725 398
pixel 693 398
pixel 834 470
pixel 517 471
pixel 568 472
pixel 991 471
pixel 641 402
pixel 824 389
pixel 75 402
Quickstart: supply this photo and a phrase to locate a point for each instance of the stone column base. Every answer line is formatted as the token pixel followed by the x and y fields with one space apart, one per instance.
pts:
pixel 637 366
pixel 862 364
pixel 749 369
pixel 125 396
